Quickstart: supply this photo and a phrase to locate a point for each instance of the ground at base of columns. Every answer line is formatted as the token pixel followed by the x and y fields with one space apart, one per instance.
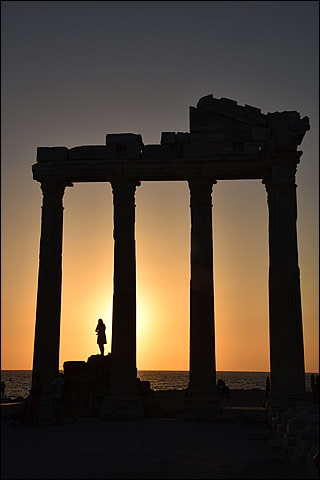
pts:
pixel 148 448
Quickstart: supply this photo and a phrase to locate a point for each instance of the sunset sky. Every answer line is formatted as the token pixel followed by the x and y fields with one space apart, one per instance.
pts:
pixel 73 72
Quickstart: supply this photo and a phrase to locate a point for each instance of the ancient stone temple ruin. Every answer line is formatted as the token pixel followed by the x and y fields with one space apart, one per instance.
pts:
pixel 226 141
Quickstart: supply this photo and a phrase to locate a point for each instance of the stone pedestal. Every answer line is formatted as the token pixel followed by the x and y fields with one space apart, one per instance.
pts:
pixel 286 337
pixel 202 398
pixel 123 375
pixel 123 406
pixel 47 330
pixel 202 407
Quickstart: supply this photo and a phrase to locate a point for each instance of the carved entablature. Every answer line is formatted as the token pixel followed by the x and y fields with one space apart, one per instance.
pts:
pixel 226 141
pixel 234 128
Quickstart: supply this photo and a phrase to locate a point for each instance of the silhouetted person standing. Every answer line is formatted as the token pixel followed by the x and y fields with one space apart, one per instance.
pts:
pixel 101 332
pixel 268 387
pixel 3 389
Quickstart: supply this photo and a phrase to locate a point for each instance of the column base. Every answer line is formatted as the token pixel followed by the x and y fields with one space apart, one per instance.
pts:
pixel 284 401
pixel 122 406
pixel 202 407
pixel 46 408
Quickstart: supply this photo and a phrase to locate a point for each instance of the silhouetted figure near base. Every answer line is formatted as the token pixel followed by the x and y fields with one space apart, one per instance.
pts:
pixel 3 389
pixel 224 389
pixel 101 333
pixel 268 388
pixel 315 387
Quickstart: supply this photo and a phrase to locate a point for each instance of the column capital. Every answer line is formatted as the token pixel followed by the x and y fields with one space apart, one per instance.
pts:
pixel 123 189
pixel 280 174
pixel 198 182
pixel 200 191
pixel 282 168
pixel 53 191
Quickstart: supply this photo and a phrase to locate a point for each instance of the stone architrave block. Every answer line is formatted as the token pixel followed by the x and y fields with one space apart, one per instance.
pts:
pixel 124 146
pixel 239 136
pixel 228 103
pixel 287 130
pixel 243 116
pixel 204 120
pixel 124 139
pixel 52 154
pixel 193 150
pixel 216 137
pixel 226 147
pixel 251 147
pixel 122 151
pixel 211 149
pixel 220 106
pixel 90 152
pixel 260 134
pixel 283 119
pixel 202 137
pixel 196 150
pixel 168 138
pixel 252 110
pixel 163 152
pixel 182 137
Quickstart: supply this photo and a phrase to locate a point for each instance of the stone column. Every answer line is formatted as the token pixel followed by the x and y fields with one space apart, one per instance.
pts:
pixel 47 329
pixel 285 319
pixel 202 399
pixel 122 399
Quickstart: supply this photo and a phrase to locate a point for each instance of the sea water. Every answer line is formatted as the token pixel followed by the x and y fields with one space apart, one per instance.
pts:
pixel 18 382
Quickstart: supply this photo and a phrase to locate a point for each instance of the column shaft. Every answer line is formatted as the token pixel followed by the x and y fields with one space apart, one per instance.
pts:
pixel 47 329
pixel 202 341
pixel 285 318
pixel 123 379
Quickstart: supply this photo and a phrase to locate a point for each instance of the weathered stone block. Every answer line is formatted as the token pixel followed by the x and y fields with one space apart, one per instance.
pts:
pixel 282 119
pixel 287 130
pixel 123 151
pixel 91 152
pixel 202 137
pixel 228 103
pixel 239 136
pixel 166 151
pixel 182 137
pixel 124 139
pixel 204 120
pixel 205 101
pixel 216 105
pixel 168 138
pixel 74 368
pixel 52 154
pixel 260 134
pixel 238 147
pixel 225 147
pixel 193 150
pixel 252 110
pixel 200 150
pixel 247 118
pixel 251 147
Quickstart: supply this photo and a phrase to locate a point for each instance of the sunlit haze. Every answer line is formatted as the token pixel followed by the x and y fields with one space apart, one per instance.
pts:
pixel 73 72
